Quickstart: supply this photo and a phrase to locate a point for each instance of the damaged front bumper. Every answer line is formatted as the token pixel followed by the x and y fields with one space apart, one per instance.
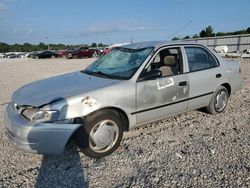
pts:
pixel 33 137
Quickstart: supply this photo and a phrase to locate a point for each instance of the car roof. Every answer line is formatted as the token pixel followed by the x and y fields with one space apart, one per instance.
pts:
pixel 156 44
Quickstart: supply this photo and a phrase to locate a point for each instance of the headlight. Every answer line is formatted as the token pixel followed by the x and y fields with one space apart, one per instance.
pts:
pixel 45 115
pixel 35 114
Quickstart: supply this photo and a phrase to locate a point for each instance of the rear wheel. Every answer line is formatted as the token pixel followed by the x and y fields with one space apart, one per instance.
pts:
pixel 101 134
pixel 219 101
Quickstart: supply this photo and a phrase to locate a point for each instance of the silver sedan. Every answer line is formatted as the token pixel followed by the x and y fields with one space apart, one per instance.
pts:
pixel 130 86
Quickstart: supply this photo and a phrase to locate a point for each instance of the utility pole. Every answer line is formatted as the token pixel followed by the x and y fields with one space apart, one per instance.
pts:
pixel 131 39
pixel 47 38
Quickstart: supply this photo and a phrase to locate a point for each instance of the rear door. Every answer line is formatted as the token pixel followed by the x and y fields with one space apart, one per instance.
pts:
pixel 204 73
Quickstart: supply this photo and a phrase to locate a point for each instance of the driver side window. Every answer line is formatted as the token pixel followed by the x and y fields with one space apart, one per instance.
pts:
pixel 168 61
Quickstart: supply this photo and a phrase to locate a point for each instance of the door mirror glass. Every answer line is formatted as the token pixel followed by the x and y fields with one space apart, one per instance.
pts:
pixel 152 74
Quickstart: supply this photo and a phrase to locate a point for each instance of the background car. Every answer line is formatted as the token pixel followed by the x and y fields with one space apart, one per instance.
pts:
pixel 2 55
pixel 83 52
pixel 109 48
pixel 12 55
pixel 233 54
pixel 63 53
pixel 44 54
pixel 246 53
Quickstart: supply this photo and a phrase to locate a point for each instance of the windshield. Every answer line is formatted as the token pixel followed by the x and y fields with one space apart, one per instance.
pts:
pixel 120 63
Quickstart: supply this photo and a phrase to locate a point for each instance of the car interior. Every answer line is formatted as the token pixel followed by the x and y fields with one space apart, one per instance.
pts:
pixel 168 61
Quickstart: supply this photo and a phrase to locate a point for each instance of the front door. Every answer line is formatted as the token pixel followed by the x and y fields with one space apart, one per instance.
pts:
pixel 165 95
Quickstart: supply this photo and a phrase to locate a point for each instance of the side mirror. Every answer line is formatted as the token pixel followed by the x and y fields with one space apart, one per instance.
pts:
pixel 152 74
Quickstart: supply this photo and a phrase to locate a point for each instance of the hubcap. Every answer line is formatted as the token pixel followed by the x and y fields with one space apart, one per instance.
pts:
pixel 221 101
pixel 103 136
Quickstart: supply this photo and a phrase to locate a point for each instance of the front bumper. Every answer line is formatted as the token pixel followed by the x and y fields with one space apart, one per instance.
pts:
pixel 33 137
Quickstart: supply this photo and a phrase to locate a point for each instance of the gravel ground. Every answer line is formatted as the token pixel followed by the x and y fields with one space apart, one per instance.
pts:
pixel 193 149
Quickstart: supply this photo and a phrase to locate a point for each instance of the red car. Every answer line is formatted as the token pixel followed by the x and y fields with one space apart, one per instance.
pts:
pixel 111 47
pixel 83 52
pixel 106 50
pixel 63 53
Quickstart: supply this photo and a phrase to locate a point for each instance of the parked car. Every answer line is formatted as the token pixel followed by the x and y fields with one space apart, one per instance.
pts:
pixel 63 53
pixel 11 55
pixel 43 55
pixel 233 54
pixel 246 53
pixel 109 48
pixel 2 55
pixel 106 50
pixel 83 52
pixel 130 86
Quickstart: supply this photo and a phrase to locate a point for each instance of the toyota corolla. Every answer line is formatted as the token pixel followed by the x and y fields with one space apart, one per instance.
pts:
pixel 128 87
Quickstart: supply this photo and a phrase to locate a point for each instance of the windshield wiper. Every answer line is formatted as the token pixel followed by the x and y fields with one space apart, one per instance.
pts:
pixel 103 74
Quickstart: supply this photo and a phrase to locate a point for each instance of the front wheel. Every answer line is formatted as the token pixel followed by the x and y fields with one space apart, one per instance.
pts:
pixel 219 101
pixel 100 134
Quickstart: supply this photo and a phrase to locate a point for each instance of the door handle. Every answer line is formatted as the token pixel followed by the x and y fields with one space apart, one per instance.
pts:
pixel 218 75
pixel 183 83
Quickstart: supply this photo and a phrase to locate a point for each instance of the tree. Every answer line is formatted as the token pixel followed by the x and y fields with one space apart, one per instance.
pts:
pixel 17 48
pixel 220 34
pixel 175 38
pixel 203 33
pixel 100 45
pixel 209 31
pixel 248 30
pixel 93 44
pixel 27 47
pixel 4 47
pixel 195 36
pixel 42 46
pixel 186 37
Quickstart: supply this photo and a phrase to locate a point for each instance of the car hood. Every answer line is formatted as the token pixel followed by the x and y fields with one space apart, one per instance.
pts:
pixel 59 87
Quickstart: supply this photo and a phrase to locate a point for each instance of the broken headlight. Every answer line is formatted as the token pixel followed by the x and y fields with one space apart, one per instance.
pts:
pixel 35 114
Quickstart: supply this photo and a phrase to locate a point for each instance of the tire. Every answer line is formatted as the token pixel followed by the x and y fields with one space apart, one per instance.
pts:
pixel 219 101
pixel 74 57
pixel 94 137
pixel 69 56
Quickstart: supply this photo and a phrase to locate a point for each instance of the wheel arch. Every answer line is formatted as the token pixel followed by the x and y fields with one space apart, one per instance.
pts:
pixel 121 113
pixel 228 87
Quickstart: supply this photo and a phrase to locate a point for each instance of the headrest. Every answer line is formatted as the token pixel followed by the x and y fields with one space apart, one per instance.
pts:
pixel 169 60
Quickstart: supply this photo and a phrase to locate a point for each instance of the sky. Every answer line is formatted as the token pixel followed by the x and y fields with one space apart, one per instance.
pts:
pixel 116 21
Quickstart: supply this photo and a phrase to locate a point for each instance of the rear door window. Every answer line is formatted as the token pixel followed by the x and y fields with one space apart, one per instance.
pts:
pixel 199 59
